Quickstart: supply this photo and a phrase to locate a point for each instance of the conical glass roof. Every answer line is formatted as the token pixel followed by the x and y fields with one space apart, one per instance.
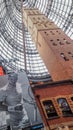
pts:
pixel 11 35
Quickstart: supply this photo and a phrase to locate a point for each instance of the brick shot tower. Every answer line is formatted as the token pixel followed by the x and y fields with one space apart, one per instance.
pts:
pixel 54 99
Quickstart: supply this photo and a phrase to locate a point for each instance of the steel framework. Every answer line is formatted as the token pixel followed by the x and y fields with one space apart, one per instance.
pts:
pixel 11 36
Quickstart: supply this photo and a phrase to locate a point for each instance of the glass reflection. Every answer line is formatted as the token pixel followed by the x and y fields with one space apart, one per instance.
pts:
pixel 64 107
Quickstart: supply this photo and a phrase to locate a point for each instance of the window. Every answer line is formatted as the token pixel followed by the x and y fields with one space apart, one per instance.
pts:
pixel 64 107
pixel 72 98
pixel 50 109
pixel 64 57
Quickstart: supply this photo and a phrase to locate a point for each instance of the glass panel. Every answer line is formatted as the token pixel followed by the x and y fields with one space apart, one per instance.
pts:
pixel 49 108
pixel 64 107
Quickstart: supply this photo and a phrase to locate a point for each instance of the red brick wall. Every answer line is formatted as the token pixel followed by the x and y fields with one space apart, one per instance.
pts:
pixel 54 92
pixel 51 44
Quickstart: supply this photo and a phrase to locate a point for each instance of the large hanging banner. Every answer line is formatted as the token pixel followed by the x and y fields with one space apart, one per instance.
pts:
pixel 18 107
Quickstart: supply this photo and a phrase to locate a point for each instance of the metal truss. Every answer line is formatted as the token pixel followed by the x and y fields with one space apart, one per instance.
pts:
pixel 11 37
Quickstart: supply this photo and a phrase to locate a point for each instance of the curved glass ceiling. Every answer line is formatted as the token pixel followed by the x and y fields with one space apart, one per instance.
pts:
pixel 11 36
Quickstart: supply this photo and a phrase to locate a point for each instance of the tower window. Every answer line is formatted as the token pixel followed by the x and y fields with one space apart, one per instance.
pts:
pixel 50 109
pixel 64 107
pixel 70 54
pixel 64 57
pixel 72 98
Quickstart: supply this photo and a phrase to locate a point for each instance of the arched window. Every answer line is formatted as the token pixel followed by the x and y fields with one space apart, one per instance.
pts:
pixel 72 98
pixel 50 109
pixel 64 106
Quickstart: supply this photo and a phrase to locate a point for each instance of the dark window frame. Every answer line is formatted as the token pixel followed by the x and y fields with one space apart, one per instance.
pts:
pixel 50 109
pixel 64 106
